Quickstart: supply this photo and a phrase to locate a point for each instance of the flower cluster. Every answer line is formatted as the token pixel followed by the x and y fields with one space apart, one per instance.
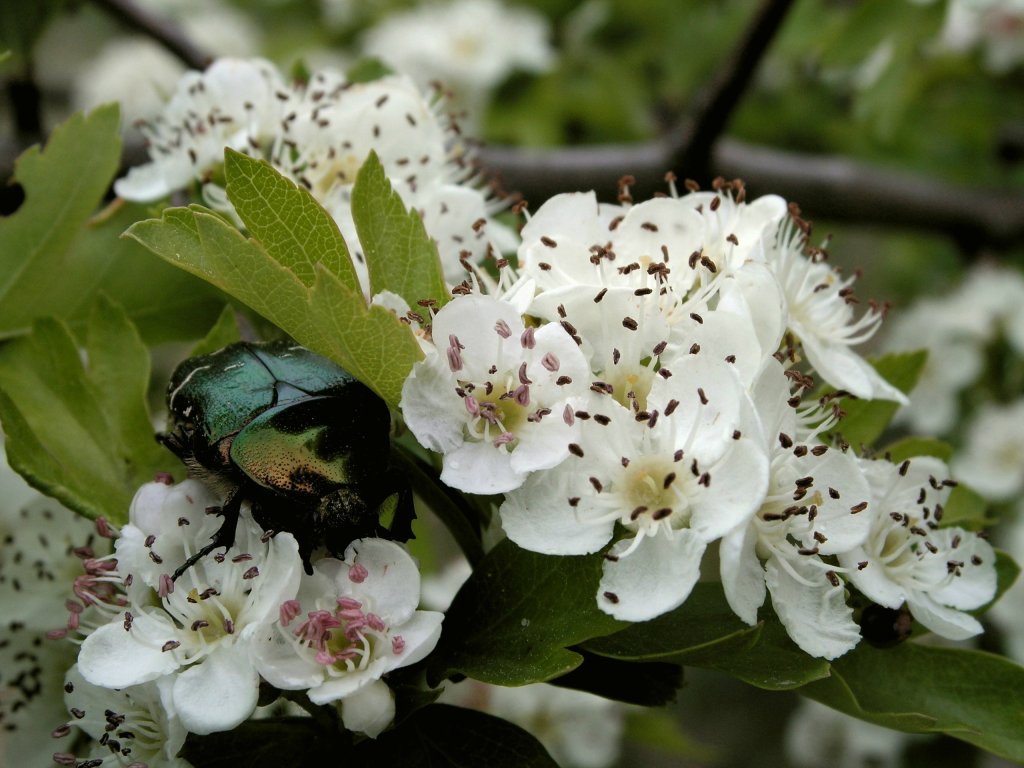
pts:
pixel 188 655
pixel 319 134
pixel 996 26
pixel 642 387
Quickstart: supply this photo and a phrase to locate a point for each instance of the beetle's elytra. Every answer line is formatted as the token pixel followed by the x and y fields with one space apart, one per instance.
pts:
pixel 292 433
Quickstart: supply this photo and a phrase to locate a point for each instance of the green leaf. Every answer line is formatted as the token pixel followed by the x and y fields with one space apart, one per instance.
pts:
pixel 82 435
pixel 63 184
pixel 367 69
pixel 268 743
pixel 287 221
pixel 223 332
pixel 704 632
pixel 866 420
pixel 327 317
pixel 966 508
pixel 645 683
pixel 512 621
pixel 400 255
pixel 909 447
pixel 443 736
pixel 974 696
pixel 51 234
pixel 1007 573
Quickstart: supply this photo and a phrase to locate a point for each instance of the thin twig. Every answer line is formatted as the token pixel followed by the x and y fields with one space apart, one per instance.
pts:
pixel 828 187
pixel 717 102
pixel 160 29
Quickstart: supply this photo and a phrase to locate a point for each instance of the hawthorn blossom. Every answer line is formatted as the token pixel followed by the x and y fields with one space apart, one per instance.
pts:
pixel 234 103
pixel 992 461
pixel 496 398
pixel 129 727
pixel 940 573
pixel 470 46
pixel 674 477
pixel 360 623
pixel 816 507
pixel 997 26
pixel 200 627
pixel 820 313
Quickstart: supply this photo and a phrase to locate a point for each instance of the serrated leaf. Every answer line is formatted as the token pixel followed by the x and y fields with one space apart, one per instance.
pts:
pixel 81 434
pixel 974 696
pixel 52 234
pixel 63 184
pixel 400 255
pixel 326 317
pixel 866 420
pixel 443 736
pixel 513 620
pixel 287 221
pixel 223 332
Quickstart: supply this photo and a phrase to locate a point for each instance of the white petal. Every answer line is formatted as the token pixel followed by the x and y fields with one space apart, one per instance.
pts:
pixel 279 662
pixel 480 468
pixel 335 688
pixel 816 617
pixel 945 622
pixel 420 634
pixel 976 584
pixel 218 693
pixel 538 517
pixel 741 572
pixel 392 583
pixel 369 710
pixel 434 416
pixel 277 582
pixel 872 579
pixel 113 658
pixel 737 488
pixel 653 579
pixel 841 367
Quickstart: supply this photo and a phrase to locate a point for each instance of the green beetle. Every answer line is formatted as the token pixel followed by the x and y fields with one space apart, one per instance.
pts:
pixel 292 433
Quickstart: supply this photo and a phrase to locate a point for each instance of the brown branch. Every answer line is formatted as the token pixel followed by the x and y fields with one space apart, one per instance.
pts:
pixel 827 187
pixel 716 104
pixel 160 29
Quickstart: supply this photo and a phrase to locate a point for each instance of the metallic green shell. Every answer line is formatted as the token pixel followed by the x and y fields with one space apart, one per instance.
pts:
pixel 216 395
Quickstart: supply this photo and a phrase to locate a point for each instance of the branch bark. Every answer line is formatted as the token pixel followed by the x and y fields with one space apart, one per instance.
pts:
pixel 827 187
pixel 160 29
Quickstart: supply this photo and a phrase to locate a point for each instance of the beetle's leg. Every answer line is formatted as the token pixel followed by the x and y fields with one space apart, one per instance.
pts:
pixel 225 535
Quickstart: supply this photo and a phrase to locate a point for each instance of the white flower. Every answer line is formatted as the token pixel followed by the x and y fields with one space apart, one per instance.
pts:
pixel 495 398
pixel 816 506
pixel 44 548
pixel 907 558
pixel 578 729
pixel 819 302
pixel 675 477
pixel 992 461
pixel 817 736
pixel 129 727
pixel 361 623
pixel 997 25
pixel 468 45
pixel 200 627
pixel 954 360
pixel 234 103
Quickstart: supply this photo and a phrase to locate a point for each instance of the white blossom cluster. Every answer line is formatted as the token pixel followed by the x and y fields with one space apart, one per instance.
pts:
pixel 169 657
pixel 969 393
pixel 994 26
pixel 469 45
pixel 638 392
pixel 319 134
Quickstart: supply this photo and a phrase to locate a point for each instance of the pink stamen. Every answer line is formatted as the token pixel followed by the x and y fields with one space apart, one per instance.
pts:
pixel 502 329
pixel 472 406
pixel 523 378
pixel 568 416
pixel 288 611
pixel 397 644
pixel 528 339
pixel 166 585
pixel 504 439
pixel 357 573
pixel 550 362
pixel 454 359
pixel 375 622
pixel 522 395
